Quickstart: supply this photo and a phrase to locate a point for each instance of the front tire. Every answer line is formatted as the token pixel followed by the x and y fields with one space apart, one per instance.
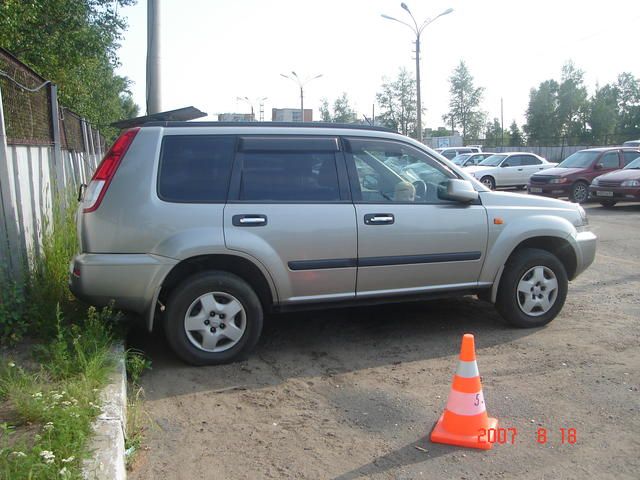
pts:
pixel 579 192
pixel 488 182
pixel 533 288
pixel 213 318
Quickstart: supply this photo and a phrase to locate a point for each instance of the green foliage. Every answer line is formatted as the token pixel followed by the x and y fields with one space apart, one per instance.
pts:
pixel 464 103
pixel 603 113
pixel 515 135
pixel 397 102
pixel 542 113
pixel 72 43
pixel 12 312
pixel 628 94
pixel 572 102
pixel 60 400
pixel 136 363
pixel 342 110
pixel 494 134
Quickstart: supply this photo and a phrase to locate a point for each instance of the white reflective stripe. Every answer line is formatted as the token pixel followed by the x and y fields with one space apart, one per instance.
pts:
pixel 467 369
pixel 465 403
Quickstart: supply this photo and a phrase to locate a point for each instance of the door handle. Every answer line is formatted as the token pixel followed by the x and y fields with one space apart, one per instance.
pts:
pixel 520 169
pixel 249 220
pixel 379 219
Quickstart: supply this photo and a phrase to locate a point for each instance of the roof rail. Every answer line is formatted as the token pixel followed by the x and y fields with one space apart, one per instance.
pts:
pixel 350 126
pixel 186 113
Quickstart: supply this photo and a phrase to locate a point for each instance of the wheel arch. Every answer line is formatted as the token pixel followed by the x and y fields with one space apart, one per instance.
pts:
pixel 558 246
pixel 238 265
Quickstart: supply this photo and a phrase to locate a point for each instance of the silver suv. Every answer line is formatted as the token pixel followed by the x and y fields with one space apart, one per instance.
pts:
pixel 205 227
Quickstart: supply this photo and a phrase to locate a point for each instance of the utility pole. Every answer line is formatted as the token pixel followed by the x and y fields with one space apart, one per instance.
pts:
pixel 300 84
pixel 154 97
pixel 501 124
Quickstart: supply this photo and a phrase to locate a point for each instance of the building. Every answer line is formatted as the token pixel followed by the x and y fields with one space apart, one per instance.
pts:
pixel 236 117
pixel 290 115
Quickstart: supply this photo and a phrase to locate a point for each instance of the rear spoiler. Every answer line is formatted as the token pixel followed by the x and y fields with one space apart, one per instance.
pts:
pixel 181 114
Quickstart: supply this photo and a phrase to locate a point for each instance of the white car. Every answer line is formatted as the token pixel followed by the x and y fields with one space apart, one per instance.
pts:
pixel 510 169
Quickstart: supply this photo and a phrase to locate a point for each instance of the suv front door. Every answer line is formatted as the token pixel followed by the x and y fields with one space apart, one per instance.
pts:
pixel 289 208
pixel 409 240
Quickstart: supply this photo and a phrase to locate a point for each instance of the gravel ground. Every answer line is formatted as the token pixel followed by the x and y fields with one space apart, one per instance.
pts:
pixel 354 393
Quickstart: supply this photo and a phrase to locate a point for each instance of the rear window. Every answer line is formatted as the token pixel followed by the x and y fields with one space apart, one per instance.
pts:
pixel 289 177
pixel 195 168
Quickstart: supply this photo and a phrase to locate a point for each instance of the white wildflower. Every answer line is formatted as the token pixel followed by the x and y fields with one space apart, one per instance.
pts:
pixel 37 395
pixel 47 456
pixel 18 454
pixel 48 426
pixel 66 403
pixel 63 471
pixel 11 364
pixel 56 396
pixel 67 460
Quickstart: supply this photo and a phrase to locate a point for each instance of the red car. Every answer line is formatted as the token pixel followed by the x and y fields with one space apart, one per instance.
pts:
pixel 572 177
pixel 620 185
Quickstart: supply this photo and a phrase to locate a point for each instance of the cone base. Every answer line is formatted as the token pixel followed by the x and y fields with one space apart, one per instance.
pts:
pixel 440 435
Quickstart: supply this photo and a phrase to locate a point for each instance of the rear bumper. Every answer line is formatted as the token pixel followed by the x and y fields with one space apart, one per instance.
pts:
pixel 585 248
pixel 128 280
pixel 617 193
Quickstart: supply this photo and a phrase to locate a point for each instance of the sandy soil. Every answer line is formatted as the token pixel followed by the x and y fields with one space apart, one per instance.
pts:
pixel 350 394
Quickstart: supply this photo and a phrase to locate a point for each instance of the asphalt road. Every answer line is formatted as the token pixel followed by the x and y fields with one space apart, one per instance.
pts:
pixel 351 393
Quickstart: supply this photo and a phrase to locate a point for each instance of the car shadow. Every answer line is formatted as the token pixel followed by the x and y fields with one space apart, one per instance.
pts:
pixel 330 342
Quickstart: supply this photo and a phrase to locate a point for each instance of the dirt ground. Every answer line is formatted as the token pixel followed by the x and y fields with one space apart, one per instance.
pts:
pixel 347 394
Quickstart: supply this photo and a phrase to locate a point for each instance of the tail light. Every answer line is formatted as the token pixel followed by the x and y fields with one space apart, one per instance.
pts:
pixel 106 170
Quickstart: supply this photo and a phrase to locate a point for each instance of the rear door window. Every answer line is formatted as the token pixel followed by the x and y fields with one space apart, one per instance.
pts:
pixel 610 160
pixel 530 160
pixel 291 170
pixel 195 168
pixel 629 156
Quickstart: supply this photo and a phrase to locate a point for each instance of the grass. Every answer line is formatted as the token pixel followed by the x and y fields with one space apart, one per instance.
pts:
pixel 48 404
pixel 137 419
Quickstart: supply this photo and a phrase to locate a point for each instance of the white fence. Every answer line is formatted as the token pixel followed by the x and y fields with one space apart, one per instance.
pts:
pixel 30 178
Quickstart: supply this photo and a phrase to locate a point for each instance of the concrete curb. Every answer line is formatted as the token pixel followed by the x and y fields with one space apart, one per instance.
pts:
pixel 107 443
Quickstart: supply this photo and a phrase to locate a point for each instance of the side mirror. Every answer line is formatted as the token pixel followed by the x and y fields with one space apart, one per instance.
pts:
pixel 597 166
pixel 505 164
pixel 458 190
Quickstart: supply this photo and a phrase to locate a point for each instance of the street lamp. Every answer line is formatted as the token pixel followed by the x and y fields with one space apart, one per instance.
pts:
pixel 246 99
pixel 300 84
pixel 417 31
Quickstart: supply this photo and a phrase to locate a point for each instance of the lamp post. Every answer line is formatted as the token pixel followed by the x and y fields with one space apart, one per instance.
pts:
pixel 417 31
pixel 301 85
pixel 246 99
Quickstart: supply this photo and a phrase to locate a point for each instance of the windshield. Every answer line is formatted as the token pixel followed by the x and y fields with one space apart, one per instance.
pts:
pixel 579 160
pixel 492 161
pixel 459 160
pixel 635 165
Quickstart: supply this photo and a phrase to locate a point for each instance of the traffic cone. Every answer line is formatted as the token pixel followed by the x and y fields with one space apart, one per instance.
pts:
pixel 465 415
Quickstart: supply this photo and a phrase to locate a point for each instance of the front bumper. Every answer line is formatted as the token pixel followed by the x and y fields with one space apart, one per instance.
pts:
pixel 128 280
pixel 585 248
pixel 549 190
pixel 615 193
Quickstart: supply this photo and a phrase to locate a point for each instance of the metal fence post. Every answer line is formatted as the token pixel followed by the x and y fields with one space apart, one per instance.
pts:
pixel 10 242
pixel 57 148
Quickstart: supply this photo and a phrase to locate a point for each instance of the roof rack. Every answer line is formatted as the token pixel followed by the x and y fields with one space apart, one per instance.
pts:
pixel 182 114
pixel 350 126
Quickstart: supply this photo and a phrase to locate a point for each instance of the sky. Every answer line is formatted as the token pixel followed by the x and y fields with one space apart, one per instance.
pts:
pixel 213 51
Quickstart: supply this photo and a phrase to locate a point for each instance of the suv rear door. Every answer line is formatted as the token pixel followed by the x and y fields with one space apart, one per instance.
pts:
pixel 409 240
pixel 289 208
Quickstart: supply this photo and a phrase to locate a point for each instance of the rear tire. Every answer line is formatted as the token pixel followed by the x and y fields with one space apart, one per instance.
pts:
pixel 608 203
pixel 533 288
pixel 579 192
pixel 488 182
pixel 212 318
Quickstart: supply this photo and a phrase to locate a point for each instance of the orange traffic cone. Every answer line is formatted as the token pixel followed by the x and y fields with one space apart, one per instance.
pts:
pixel 465 415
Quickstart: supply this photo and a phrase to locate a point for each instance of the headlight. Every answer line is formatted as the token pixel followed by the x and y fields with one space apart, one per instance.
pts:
pixel 630 183
pixel 595 182
pixel 584 221
pixel 559 180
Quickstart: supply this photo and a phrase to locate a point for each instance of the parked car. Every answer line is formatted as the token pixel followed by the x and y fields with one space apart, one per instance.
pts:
pixel 613 187
pixel 572 177
pixel 203 227
pixel 470 159
pixel 510 169
pixel 631 143
pixel 450 152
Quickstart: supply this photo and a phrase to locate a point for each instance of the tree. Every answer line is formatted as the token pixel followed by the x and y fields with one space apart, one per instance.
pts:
pixel 325 114
pixel 628 88
pixel 515 136
pixel 603 113
pixel 464 102
pixel 542 119
pixel 493 133
pixel 74 44
pixel 397 102
pixel 572 105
